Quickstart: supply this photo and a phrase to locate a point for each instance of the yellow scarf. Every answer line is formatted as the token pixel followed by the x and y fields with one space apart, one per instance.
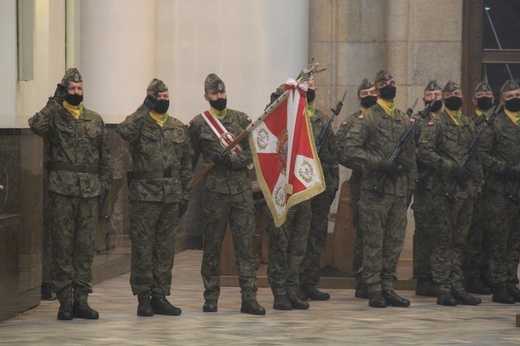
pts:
pixel 160 119
pixel 514 116
pixel 219 115
pixel 311 110
pixel 455 115
pixel 75 111
pixel 479 112
pixel 388 106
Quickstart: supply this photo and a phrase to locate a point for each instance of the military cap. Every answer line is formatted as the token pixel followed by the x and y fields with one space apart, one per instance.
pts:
pixel 365 84
pixel 509 85
pixel 432 86
pixel 451 86
pixel 71 75
pixel 483 86
pixel 156 86
pixel 213 82
pixel 382 76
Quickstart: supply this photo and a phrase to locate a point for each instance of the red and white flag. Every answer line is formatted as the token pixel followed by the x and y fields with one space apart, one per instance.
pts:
pixel 286 161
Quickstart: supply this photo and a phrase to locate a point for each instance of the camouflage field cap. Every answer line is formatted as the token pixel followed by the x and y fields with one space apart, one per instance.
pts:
pixel 432 86
pixel 382 76
pixel 451 86
pixel 365 84
pixel 156 86
pixel 71 75
pixel 213 82
pixel 509 85
pixel 483 86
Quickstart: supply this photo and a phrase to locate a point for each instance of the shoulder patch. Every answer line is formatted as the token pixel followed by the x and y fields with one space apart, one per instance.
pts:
pixel 249 120
pixel 430 123
pixel 361 117
pixel 344 123
pixel 412 120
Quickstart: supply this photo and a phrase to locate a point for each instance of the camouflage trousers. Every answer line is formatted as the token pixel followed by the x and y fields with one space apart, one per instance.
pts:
pixel 383 223
pixel 287 247
pixel 153 226
pixel 424 233
pixel 451 222
pixel 73 228
pixel 218 210
pixel 319 221
pixel 502 222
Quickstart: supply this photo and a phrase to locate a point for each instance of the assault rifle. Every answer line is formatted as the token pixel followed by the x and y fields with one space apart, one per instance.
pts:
pixel 325 130
pixel 405 138
pixel 472 146
pixel 513 194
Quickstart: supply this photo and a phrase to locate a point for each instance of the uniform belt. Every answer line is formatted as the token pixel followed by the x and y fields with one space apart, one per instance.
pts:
pixel 168 173
pixel 74 168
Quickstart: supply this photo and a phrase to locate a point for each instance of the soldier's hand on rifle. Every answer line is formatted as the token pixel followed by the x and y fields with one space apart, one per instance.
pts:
pixel 223 159
pixel 60 93
pixel 405 162
pixel 150 101
pixel 463 175
pixel 183 207
pixel 389 168
pixel 327 158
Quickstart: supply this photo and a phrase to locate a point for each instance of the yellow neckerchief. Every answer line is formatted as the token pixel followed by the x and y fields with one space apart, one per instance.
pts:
pixel 218 114
pixel 311 110
pixel 76 111
pixel 363 109
pixel 455 115
pixel 514 116
pixel 160 119
pixel 479 111
pixel 388 106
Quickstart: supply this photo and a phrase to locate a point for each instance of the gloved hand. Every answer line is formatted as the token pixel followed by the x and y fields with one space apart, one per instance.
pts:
pixel 150 101
pixel 389 168
pixel 513 172
pixel 327 158
pixel 60 93
pixel 223 159
pixel 405 162
pixel 463 175
pixel 183 207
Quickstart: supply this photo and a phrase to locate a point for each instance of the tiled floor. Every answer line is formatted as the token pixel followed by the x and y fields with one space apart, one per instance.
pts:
pixel 344 320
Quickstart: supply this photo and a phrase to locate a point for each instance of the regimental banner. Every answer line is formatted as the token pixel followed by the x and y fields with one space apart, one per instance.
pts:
pixel 286 161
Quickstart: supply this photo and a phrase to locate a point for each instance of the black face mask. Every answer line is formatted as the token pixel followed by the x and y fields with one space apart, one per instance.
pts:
pixel 484 103
pixel 453 103
pixel 513 105
pixel 437 104
pixel 388 92
pixel 311 95
pixel 368 101
pixel 161 106
pixel 74 99
pixel 219 104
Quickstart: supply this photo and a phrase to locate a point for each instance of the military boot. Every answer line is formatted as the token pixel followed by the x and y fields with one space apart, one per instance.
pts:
pixel 514 291
pixel 281 302
pixel 464 298
pixel 477 286
pixel 501 295
pixel 81 309
pixel 144 308
pixel 210 305
pixel 65 311
pixel 297 303
pixel 425 288
pixel 446 299
pixel 393 299
pixel 161 306
pixel 361 288
pixel 302 295
pixel 252 307
pixel 314 293
pixel 376 300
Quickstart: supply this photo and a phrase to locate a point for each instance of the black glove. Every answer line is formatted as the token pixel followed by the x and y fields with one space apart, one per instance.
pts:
pixel 463 175
pixel 513 173
pixel 150 101
pixel 183 206
pixel 405 162
pixel 327 158
pixel 60 93
pixel 223 159
pixel 389 168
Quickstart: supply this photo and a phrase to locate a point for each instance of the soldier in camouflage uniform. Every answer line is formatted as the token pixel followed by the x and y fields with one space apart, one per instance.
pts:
pixel 475 257
pixel 501 158
pixel 79 153
pixel 441 146
pixel 382 214
pixel 367 97
pixel 227 197
pixel 159 193
pixel 423 237
pixel 320 204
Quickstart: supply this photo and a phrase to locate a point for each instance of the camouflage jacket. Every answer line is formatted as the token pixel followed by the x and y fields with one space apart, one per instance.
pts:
pixel 341 140
pixel 81 143
pixel 424 172
pixel 330 170
pixel 204 141
pixel 442 144
pixel 158 149
pixel 373 137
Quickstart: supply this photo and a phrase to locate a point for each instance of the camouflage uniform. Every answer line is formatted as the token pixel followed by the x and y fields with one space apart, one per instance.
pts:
pixel 320 204
pixel 442 145
pixel 227 197
pixel 79 153
pixel 162 178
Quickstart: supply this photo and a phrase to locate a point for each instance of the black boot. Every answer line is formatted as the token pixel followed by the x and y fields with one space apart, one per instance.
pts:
pixel 446 299
pixel 81 309
pixel 210 305
pixel 477 286
pixel 297 303
pixel 281 302
pixel 252 307
pixel 425 288
pixel 514 291
pixel 65 312
pixel 464 298
pixel 376 300
pixel 302 295
pixel 501 295
pixel 161 306
pixel 393 299
pixel 314 293
pixel 144 308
